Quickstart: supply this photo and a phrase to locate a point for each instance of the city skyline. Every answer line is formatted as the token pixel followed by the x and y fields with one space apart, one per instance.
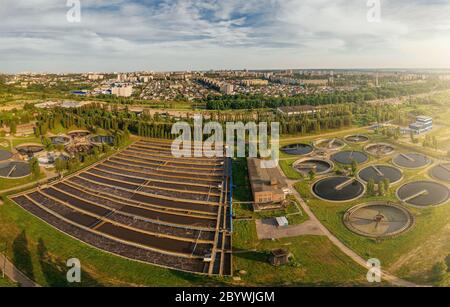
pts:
pixel 201 35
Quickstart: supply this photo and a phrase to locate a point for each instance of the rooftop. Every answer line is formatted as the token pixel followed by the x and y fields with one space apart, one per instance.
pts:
pixel 265 179
pixel 297 109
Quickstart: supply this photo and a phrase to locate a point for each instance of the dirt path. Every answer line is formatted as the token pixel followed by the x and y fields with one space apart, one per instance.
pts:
pixel 15 274
pixel 354 256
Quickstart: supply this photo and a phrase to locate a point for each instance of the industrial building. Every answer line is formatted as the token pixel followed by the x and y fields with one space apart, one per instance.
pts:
pixel 267 184
pixel 422 125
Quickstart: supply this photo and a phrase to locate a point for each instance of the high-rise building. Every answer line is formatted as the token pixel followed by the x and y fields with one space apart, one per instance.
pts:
pixel 124 91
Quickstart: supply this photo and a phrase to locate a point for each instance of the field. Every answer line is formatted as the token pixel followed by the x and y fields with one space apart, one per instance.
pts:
pixel 316 261
pixel 6 282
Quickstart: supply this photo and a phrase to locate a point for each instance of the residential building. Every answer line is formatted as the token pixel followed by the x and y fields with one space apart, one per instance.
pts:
pixel 124 91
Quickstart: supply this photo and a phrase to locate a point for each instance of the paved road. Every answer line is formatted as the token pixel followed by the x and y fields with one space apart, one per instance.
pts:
pixel 354 256
pixel 15 274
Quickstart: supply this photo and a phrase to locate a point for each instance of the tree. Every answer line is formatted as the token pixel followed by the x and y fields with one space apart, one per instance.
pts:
pixel 411 135
pixel 435 142
pixel 371 187
pixel 381 190
pixel 34 167
pixel 439 271
pixel 312 175
pixel 386 184
pixel 60 164
pixel 354 167
pixel 13 127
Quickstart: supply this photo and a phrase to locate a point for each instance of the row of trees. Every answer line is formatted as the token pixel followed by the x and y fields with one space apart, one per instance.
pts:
pixel 379 189
pixel 160 125
pixel 79 159
pixel 250 101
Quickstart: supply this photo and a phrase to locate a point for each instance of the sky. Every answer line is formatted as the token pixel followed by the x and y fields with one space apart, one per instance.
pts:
pixel 168 35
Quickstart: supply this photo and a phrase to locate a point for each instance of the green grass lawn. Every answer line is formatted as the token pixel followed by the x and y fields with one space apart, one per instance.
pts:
pixel 288 170
pixel 12 183
pixel 316 261
pixel 5 282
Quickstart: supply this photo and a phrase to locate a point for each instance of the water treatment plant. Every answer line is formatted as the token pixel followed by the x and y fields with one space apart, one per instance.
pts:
pixel 140 203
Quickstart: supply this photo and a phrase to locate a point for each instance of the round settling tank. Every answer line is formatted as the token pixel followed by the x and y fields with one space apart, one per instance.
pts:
pixel 411 160
pixel 5 155
pixel 14 169
pixel 318 166
pixel 329 144
pixel 347 157
pixel 338 189
pixel 441 172
pixel 423 193
pixel 357 138
pixel 378 219
pixel 297 149
pixel 379 172
pixel 379 149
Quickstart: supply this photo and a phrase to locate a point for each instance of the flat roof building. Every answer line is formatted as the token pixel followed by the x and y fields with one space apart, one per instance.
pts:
pixel 267 184
pixel 124 91
pixel 422 124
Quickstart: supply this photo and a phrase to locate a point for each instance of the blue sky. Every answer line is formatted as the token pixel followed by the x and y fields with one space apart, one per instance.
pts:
pixel 159 35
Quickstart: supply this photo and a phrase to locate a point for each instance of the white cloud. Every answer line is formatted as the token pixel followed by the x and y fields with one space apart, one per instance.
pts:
pixel 202 34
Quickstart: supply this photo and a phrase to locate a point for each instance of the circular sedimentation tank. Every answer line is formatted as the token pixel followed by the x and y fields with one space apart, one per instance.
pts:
pixel 379 172
pixel 5 155
pixel 299 149
pixel 378 219
pixel 329 144
pixel 29 149
pixel 423 193
pixel 338 189
pixel 379 149
pixel 411 160
pixel 14 170
pixel 441 172
pixel 357 138
pixel 347 157
pixel 101 139
pixel 319 166
pixel 60 140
